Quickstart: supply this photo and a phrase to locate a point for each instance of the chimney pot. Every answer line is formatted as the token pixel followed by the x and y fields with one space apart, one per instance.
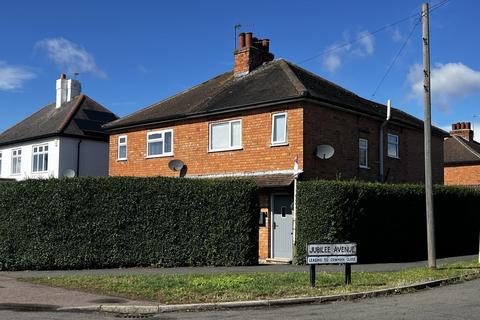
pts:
pixel 248 39
pixel 241 40
pixel 469 125
pixel 266 45
pixel 63 76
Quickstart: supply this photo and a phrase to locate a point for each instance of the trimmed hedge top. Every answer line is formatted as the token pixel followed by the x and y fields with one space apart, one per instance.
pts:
pixel 387 221
pixel 122 221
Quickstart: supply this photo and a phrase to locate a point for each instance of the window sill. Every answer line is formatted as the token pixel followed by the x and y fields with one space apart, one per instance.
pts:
pixel 363 167
pixel 392 157
pixel 282 144
pixel 39 172
pixel 122 160
pixel 225 150
pixel 160 156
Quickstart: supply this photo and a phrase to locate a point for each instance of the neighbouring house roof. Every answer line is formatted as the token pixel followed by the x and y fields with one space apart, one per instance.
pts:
pixel 274 82
pixel 81 117
pixel 458 151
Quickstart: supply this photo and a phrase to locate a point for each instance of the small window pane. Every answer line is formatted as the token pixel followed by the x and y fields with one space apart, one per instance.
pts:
pixel 155 148
pixel 155 136
pixel 220 136
pixel 122 152
pixel 363 152
pixel 168 142
pixel 279 132
pixel 236 134
pixel 122 139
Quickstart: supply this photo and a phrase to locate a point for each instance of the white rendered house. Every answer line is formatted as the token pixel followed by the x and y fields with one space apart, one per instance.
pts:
pixel 64 138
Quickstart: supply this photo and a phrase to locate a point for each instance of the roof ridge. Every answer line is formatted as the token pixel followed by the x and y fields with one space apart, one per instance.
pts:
pixel 299 86
pixel 461 140
pixel 71 114
pixel 164 100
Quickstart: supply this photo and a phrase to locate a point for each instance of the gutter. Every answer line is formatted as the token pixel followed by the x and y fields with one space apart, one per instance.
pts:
pixel 381 176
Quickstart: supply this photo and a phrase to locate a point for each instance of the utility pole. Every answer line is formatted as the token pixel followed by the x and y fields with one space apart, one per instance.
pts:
pixel 427 108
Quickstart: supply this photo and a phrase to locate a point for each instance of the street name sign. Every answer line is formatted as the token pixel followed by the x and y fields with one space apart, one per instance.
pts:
pixel 332 253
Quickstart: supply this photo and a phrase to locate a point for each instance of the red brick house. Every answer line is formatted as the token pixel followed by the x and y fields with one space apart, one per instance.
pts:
pixel 461 156
pixel 254 120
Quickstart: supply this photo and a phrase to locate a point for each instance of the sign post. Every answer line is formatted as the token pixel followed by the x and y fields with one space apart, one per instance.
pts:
pixel 332 253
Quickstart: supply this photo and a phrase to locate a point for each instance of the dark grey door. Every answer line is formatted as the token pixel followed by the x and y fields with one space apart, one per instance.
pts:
pixel 282 226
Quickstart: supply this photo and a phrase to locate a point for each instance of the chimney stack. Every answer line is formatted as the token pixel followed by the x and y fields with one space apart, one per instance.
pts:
pixel 462 129
pixel 251 53
pixel 67 89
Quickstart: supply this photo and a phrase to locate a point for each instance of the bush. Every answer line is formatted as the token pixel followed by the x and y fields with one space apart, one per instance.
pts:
pixel 122 222
pixel 387 221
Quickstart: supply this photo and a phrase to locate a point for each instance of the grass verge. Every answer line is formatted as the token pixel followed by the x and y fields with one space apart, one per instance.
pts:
pixel 177 289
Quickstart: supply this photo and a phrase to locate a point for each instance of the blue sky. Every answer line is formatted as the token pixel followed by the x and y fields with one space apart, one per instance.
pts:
pixel 134 53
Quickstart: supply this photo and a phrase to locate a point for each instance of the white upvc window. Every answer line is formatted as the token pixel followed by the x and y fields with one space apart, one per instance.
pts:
pixel 122 148
pixel 16 161
pixel 393 146
pixel 225 136
pixel 40 158
pixel 279 128
pixel 160 143
pixel 363 153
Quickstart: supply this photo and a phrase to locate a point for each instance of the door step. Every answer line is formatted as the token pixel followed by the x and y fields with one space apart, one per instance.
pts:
pixel 278 261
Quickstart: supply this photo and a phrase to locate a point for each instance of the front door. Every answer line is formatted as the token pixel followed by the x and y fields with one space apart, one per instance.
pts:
pixel 282 227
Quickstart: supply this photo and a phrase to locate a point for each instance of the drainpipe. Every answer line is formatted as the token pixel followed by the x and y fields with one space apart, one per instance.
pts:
pixel 78 157
pixel 380 146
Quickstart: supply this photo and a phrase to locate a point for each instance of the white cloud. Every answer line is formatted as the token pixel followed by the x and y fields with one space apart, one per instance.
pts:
pixel 70 56
pixel 13 77
pixel 335 54
pixel 367 43
pixel 397 36
pixel 450 83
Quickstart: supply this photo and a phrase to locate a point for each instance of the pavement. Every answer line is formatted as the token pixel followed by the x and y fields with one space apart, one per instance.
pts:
pixel 379 267
pixel 17 295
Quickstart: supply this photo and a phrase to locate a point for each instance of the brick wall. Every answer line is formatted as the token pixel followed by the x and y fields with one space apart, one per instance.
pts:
pixel 462 175
pixel 342 130
pixel 190 144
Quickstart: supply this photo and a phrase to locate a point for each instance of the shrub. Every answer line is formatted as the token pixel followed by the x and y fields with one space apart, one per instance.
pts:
pixel 387 221
pixel 121 222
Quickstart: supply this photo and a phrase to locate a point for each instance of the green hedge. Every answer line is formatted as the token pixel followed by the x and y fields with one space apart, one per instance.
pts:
pixel 120 222
pixel 387 221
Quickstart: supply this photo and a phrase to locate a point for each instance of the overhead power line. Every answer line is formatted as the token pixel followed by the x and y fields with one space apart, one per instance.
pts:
pixel 369 34
pixel 395 59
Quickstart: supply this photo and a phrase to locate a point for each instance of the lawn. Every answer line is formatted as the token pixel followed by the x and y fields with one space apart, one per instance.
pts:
pixel 173 289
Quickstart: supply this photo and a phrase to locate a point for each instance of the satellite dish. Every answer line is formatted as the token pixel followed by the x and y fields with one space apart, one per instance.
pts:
pixel 69 173
pixel 324 151
pixel 176 165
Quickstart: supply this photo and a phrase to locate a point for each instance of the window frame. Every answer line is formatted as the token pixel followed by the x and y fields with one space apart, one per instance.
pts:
pixel 360 165
pixel 162 139
pixel 16 157
pixel 397 145
pixel 38 153
pixel 121 144
pixel 285 141
pixel 240 147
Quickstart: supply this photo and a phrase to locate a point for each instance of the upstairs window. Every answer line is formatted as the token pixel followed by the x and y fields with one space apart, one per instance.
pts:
pixel 363 153
pixel 122 148
pixel 16 161
pixel 279 128
pixel 393 146
pixel 160 143
pixel 226 135
pixel 40 158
